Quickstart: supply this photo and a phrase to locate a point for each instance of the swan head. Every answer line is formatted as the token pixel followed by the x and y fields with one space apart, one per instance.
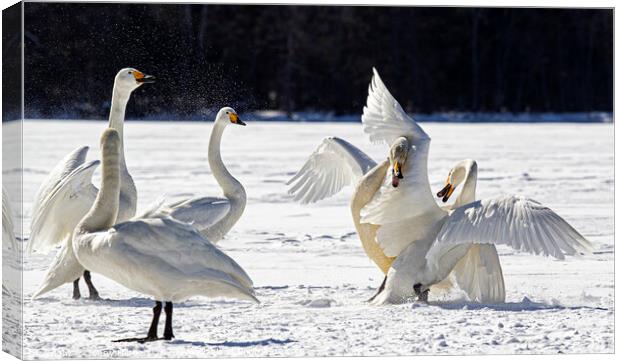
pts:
pixel 398 156
pixel 228 115
pixel 457 175
pixel 129 79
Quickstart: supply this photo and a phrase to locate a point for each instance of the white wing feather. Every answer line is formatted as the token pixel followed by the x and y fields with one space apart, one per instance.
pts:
pixel 518 222
pixel 165 258
pixel 201 212
pixel 384 119
pixel 62 205
pixel 479 274
pixel 334 164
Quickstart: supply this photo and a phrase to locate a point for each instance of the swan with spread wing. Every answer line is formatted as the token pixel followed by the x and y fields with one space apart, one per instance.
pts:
pixel 460 243
pixel 336 163
pixel 67 193
pixel 212 216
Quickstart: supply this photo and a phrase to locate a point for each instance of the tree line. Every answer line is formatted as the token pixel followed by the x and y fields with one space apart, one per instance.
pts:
pixel 306 58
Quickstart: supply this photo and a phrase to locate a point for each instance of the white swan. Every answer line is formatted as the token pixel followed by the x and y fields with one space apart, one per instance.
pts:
pixel 213 216
pixel 336 163
pixel 161 257
pixel 461 242
pixel 67 193
pixel 429 241
pixel 478 273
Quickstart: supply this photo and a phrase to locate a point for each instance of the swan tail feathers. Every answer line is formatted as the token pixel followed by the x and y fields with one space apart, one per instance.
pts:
pixel 64 269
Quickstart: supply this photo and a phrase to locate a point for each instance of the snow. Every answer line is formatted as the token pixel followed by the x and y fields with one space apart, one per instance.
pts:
pixel 308 266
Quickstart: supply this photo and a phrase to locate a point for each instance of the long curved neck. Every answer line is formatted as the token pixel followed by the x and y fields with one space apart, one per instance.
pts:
pixel 103 213
pixel 227 182
pixel 363 194
pixel 231 187
pixel 117 117
pixel 468 193
pixel 129 196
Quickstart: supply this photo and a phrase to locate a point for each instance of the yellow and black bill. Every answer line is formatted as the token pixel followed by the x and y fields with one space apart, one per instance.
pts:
pixel 234 118
pixel 143 78
pixel 445 192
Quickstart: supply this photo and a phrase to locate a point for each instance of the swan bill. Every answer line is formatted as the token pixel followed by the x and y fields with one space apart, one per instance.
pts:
pixel 143 78
pixel 397 174
pixel 234 118
pixel 446 192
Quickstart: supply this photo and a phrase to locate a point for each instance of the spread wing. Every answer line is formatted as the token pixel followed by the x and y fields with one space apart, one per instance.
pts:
pixel 515 221
pixel 334 164
pixel 384 120
pixel 62 206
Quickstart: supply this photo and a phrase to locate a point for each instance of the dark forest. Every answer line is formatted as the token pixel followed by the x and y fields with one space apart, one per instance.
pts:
pixel 301 58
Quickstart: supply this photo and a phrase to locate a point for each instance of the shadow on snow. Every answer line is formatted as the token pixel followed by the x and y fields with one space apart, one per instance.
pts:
pixel 266 342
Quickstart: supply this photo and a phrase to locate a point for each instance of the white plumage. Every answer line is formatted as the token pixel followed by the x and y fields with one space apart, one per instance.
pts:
pixel 161 257
pixel 67 193
pixel 460 244
pixel 214 216
pixel 164 258
pixel 333 165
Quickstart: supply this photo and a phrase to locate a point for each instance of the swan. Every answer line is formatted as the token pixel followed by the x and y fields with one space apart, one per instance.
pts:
pixel 478 273
pixel 67 193
pixel 460 242
pixel 337 163
pixel 213 216
pixel 429 241
pixel 161 257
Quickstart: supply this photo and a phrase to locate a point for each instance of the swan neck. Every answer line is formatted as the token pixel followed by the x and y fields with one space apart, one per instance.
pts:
pixel 103 213
pixel 230 186
pixel 468 193
pixel 117 115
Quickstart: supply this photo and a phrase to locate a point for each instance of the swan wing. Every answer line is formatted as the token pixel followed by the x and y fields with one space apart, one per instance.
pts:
pixel 515 221
pixel 8 233
pixel 334 164
pixel 201 212
pixel 384 120
pixel 62 207
pixel 479 274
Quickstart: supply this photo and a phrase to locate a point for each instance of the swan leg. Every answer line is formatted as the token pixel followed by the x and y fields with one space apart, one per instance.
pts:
pixel 94 295
pixel 168 335
pixel 152 335
pixel 379 290
pixel 422 295
pixel 76 289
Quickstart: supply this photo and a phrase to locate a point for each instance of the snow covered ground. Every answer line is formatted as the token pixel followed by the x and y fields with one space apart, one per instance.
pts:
pixel 309 269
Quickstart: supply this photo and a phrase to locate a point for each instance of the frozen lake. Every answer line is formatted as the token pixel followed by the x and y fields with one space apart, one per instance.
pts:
pixel 307 264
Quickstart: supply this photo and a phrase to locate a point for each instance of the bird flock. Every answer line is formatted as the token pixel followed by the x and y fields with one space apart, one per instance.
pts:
pixel 169 251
